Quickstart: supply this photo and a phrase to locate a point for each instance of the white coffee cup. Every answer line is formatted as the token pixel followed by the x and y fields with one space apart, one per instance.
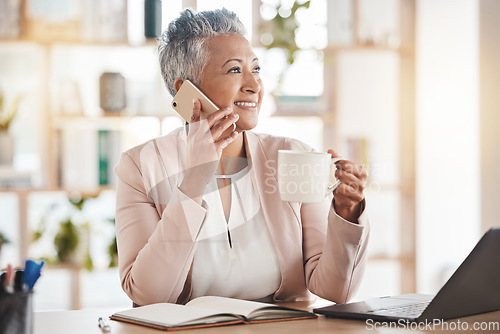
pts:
pixel 305 176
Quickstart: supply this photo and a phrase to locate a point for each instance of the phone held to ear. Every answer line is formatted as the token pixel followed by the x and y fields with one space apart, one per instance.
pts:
pixel 183 102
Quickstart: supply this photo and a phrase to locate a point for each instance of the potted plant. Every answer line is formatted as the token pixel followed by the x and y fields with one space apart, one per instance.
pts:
pixel 279 32
pixel 72 236
pixel 7 115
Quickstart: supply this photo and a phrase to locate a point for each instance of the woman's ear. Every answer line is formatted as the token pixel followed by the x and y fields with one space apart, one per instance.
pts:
pixel 177 84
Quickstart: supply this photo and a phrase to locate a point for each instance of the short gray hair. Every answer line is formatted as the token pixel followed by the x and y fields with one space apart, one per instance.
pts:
pixel 182 48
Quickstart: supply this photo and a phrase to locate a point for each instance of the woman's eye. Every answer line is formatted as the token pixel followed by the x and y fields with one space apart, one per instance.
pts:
pixel 234 70
pixel 257 69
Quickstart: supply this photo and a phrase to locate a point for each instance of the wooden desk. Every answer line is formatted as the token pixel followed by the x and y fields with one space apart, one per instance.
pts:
pixel 85 322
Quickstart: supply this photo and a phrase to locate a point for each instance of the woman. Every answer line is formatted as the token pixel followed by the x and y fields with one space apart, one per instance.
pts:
pixel 198 212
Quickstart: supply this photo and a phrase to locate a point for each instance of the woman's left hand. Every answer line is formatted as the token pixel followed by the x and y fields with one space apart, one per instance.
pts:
pixel 349 196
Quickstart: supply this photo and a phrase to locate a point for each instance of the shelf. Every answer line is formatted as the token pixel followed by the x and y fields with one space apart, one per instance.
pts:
pixel 385 257
pixel 84 193
pixel 106 121
pixel 399 49
pixel 299 106
pixel 148 43
pixel 298 114
pixel 18 191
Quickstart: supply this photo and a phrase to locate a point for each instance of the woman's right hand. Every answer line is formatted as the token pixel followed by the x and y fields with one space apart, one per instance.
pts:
pixel 205 143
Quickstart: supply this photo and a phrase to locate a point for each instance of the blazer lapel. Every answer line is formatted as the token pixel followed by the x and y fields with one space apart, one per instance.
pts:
pixel 163 158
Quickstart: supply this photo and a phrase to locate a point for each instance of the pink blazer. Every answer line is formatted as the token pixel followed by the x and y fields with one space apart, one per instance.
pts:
pixel 157 226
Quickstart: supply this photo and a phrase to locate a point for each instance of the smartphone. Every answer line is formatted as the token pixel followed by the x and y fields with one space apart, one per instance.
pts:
pixel 183 101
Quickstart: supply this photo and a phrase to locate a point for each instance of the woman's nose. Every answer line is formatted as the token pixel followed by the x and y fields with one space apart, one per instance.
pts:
pixel 251 84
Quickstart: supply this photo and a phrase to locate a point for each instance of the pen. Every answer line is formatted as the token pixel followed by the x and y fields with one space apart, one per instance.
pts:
pixel 31 273
pixel 8 274
pixel 3 284
pixel 105 328
pixel 5 280
pixel 18 280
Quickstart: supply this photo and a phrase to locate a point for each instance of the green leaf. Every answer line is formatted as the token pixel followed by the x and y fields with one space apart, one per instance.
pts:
pixel 88 264
pixel 6 117
pixel 3 239
pixel 113 253
pixel 66 240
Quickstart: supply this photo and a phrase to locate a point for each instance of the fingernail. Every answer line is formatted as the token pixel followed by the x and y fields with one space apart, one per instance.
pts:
pixel 236 116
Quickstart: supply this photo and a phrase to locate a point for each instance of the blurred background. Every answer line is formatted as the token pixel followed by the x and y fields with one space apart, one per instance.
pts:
pixel 408 88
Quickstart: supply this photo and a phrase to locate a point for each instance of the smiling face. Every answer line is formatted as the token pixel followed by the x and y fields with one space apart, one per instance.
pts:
pixel 231 78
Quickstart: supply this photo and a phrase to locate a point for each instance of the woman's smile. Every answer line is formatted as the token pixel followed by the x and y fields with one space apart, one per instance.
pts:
pixel 246 105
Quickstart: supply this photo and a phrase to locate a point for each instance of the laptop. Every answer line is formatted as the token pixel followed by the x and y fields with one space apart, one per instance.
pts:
pixel 473 288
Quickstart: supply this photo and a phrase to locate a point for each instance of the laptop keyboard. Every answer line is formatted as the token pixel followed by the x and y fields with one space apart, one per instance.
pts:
pixel 410 310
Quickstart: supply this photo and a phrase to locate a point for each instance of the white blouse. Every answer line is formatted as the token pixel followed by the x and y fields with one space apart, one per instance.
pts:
pixel 235 258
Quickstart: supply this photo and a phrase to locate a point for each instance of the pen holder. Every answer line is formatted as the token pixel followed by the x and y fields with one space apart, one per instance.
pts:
pixel 16 312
